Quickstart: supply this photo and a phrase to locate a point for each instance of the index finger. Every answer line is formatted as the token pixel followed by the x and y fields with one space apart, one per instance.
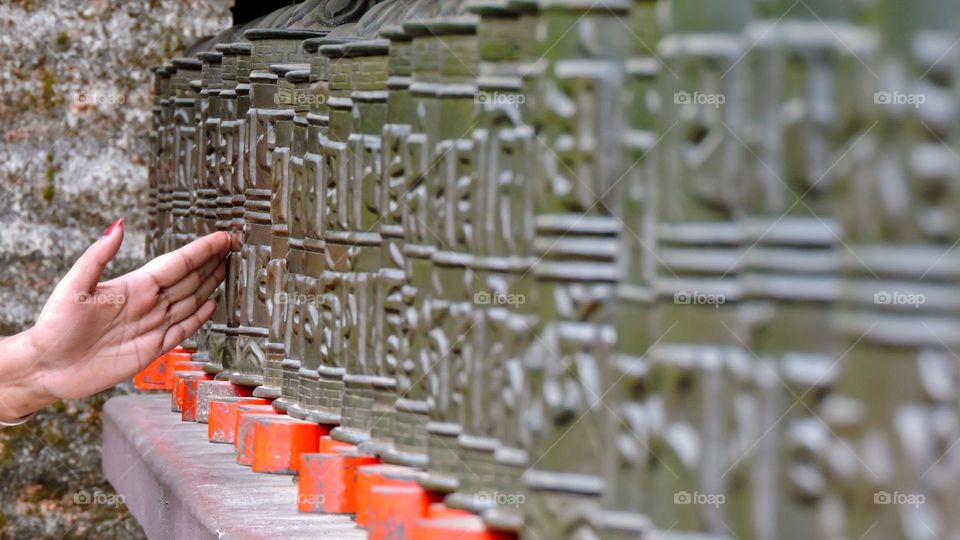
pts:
pixel 171 267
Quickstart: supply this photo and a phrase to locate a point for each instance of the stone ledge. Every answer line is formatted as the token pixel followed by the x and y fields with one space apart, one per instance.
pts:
pixel 179 485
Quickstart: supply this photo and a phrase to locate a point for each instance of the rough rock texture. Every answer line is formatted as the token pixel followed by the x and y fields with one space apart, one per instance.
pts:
pixel 75 96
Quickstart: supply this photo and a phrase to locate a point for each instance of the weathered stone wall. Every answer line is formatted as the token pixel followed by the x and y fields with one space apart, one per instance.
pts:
pixel 75 95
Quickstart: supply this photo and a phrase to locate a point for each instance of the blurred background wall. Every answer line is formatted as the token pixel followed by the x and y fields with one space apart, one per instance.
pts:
pixel 75 96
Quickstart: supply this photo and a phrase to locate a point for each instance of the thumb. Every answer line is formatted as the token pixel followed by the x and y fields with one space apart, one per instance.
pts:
pixel 86 272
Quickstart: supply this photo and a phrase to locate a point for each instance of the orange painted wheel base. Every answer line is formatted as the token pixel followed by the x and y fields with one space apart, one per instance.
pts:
pixel 175 367
pixel 438 510
pixel 222 417
pixel 395 510
pixel 191 395
pixel 383 474
pixel 327 482
pixel 279 441
pixel 180 358
pixel 247 415
pixel 207 390
pixel 154 376
pixel 244 409
pixel 328 445
pixel 464 528
pixel 179 394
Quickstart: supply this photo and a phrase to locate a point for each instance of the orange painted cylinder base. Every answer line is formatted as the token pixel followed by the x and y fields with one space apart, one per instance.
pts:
pixel 468 527
pixel 327 482
pixel 180 359
pixel 207 390
pixel 173 368
pixel 438 510
pixel 247 415
pixel 191 396
pixel 154 376
pixel 329 445
pixel 179 395
pixel 395 510
pixel 279 441
pixel 222 417
pixel 383 474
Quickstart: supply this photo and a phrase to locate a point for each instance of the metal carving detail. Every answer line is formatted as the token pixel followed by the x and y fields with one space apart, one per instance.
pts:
pixel 593 268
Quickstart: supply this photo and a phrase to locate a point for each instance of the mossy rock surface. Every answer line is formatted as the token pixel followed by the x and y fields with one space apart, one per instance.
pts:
pixel 74 149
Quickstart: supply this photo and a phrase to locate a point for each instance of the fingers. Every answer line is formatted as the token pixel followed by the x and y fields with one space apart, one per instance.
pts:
pixel 183 308
pixel 86 272
pixel 179 332
pixel 189 285
pixel 166 270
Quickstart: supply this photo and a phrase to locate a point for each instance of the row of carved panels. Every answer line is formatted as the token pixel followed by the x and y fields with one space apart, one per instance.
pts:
pixel 605 287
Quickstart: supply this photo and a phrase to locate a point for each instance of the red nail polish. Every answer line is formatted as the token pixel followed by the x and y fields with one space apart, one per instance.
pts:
pixel 116 224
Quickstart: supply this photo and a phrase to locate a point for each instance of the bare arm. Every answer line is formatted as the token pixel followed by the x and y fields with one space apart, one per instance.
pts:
pixel 92 334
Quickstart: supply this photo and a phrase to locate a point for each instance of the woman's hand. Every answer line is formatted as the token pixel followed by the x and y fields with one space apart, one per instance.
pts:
pixel 92 335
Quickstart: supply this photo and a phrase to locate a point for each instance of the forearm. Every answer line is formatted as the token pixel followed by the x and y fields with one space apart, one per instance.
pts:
pixel 20 390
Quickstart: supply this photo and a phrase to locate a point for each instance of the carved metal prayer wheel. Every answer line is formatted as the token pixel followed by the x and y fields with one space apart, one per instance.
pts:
pixel 393 294
pixel 366 380
pixel 579 163
pixel 166 160
pixel 502 306
pixel 184 149
pixel 700 348
pixel 164 146
pixel 305 258
pixel 593 269
pixel 453 175
pixel 511 457
pixel 389 316
pixel 294 301
pixel 893 400
pixel 223 99
pixel 256 296
pixel 410 415
pixel 236 102
pixel 157 191
pixel 153 173
pixel 317 322
pixel 790 274
pixel 280 158
pixel 331 283
pixel 626 460
pixel 206 174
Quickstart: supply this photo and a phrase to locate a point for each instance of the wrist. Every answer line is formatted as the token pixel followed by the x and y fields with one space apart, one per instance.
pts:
pixel 21 388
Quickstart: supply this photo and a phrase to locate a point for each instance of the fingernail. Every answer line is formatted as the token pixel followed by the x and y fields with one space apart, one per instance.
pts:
pixel 116 224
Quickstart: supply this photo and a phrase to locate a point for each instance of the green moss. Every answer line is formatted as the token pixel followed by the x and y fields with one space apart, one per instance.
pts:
pixel 6 452
pixel 63 39
pixel 49 191
pixel 48 90
pixel 54 437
